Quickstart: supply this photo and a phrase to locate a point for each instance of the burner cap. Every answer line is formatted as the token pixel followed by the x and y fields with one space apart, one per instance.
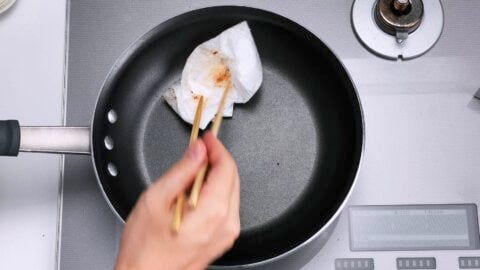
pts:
pixel 395 16
pixel 5 5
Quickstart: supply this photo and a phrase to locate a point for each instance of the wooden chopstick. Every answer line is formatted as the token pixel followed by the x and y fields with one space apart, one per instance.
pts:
pixel 197 185
pixel 177 216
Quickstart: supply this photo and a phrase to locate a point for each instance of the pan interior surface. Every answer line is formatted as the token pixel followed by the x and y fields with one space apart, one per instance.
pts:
pixel 297 142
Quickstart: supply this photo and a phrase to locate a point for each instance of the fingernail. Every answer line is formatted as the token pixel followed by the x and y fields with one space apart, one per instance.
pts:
pixel 194 152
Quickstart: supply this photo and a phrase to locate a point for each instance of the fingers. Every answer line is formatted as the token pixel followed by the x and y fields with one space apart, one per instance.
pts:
pixel 222 172
pixel 215 148
pixel 214 224
pixel 182 173
pixel 218 204
pixel 217 153
pixel 235 201
pixel 233 222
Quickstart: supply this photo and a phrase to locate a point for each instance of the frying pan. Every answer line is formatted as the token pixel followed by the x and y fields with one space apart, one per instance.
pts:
pixel 298 142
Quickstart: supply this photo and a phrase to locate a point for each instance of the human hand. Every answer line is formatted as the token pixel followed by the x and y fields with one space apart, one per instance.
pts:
pixel 148 242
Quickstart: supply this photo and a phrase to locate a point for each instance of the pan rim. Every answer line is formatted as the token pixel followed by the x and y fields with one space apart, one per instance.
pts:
pixel 146 37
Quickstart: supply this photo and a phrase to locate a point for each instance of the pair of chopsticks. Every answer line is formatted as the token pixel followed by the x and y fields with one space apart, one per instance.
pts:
pixel 199 179
pixel 177 217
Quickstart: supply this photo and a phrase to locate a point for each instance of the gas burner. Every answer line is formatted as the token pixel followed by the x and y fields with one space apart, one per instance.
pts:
pixel 385 26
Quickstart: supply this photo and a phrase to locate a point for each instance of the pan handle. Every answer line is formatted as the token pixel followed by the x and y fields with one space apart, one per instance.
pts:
pixel 57 140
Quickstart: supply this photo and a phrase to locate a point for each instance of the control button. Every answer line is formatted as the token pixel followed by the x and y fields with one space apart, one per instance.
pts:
pixel 469 262
pixel 354 264
pixel 416 263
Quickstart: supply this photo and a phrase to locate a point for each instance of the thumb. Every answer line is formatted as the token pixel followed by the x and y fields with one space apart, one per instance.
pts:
pixel 183 172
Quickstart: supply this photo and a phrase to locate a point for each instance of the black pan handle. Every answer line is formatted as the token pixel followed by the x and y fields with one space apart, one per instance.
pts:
pixel 9 138
pixel 55 140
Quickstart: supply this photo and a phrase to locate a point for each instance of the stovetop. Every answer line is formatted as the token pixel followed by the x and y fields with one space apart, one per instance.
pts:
pixel 422 122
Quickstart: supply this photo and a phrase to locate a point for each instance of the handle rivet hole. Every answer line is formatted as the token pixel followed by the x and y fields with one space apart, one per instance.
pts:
pixel 112 116
pixel 112 169
pixel 108 141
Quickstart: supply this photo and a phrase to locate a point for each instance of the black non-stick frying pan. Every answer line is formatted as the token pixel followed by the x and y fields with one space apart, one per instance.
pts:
pixel 298 141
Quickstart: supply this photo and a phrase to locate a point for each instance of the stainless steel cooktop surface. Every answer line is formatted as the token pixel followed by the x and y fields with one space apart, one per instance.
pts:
pixel 422 155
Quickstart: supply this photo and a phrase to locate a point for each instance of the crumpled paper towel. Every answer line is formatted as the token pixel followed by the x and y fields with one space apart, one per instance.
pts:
pixel 233 53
